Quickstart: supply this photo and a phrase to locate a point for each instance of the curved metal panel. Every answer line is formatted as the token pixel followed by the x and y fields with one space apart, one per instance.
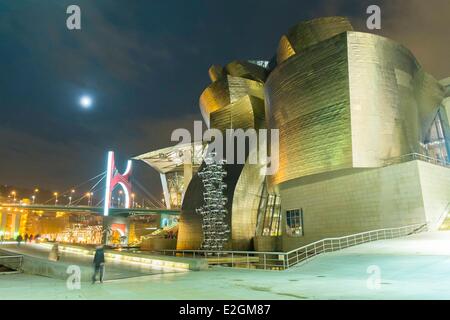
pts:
pixel 307 99
pixel 309 33
pixel 393 101
pixel 246 70
pixel 285 50
pixel 225 91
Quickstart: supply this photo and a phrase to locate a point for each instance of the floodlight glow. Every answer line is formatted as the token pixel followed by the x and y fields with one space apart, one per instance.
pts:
pixel 127 194
pixel 108 183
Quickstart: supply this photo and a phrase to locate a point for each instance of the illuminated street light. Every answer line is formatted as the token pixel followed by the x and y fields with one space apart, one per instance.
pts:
pixel 56 197
pixel 70 200
pixel 88 195
pixel 35 194
pixel 13 193
pixel 133 196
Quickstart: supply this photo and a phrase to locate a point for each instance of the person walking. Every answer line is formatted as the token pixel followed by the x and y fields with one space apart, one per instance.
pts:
pixel 19 240
pixel 54 254
pixel 99 264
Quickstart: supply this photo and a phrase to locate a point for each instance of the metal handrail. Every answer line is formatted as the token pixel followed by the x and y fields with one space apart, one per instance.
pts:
pixel 335 244
pixel 356 234
pixel 285 260
pixel 416 156
pixel 17 267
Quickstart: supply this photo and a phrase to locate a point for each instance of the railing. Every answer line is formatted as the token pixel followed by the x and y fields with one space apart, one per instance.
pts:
pixel 286 260
pixel 416 156
pixel 333 244
pixel 10 264
pixel 441 219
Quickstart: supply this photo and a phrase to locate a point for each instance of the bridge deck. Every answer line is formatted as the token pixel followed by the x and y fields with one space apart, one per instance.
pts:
pixel 96 210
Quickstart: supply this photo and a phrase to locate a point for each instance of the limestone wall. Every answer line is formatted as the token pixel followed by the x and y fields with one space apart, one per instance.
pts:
pixel 357 200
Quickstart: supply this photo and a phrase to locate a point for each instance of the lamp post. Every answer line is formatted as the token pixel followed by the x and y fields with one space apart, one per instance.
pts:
pixel 72 192
pixel 88 195
pixel 56 198
pixel 35 195
pixel 13 193
pixel 132 197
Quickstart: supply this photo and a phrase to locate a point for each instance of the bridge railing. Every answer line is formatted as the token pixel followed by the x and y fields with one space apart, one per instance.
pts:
pixel 286 260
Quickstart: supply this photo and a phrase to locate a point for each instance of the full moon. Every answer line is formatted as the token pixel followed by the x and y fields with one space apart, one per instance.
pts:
pixel 85 101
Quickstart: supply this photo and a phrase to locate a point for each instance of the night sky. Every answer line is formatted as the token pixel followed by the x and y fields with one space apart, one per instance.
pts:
pixel 145 63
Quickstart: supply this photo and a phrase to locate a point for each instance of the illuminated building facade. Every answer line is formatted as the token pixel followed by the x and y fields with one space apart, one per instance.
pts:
pixel 364 140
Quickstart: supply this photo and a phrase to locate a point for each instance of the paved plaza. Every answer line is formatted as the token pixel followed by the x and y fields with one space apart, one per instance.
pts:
pixel 414 267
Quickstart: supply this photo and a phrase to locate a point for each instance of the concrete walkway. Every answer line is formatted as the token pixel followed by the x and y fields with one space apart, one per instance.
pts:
pixel 114 269
pixel 414 267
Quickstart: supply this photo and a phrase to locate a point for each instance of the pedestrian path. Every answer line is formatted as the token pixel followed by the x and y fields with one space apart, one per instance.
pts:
pixel 113 270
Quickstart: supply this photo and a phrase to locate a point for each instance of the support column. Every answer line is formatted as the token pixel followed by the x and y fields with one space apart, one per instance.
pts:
pixel 165 188
pixel 188 172
pixel 15 225
pixel 3 217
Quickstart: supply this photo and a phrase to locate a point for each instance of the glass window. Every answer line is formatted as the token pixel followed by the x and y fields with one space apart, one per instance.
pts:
pixel 269 211
pixel 435 143
pixel 294 221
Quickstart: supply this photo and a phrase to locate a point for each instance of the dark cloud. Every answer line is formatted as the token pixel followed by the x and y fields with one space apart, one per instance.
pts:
pixel 421 26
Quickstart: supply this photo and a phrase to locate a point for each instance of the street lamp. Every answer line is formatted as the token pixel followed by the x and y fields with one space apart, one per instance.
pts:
pixel 56 198
pixel 88 195
pixel 34 195
pixel 72 192
pixel 132 196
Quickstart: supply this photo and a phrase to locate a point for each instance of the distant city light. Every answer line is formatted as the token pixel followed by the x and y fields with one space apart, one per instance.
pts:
pixel 86 101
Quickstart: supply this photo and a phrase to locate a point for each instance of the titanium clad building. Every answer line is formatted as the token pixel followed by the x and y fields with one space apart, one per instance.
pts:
pixel 355 111
pixel 364 140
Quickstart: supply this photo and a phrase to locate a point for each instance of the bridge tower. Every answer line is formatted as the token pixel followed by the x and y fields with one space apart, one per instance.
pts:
pixel 113 178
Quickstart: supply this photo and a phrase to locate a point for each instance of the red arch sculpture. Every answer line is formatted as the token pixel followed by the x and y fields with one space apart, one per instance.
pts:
pixel 113 178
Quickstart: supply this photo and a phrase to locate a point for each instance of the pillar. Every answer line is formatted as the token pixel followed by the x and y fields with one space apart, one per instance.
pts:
pixel 15 225
pixel 3 217
pixel 165 188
